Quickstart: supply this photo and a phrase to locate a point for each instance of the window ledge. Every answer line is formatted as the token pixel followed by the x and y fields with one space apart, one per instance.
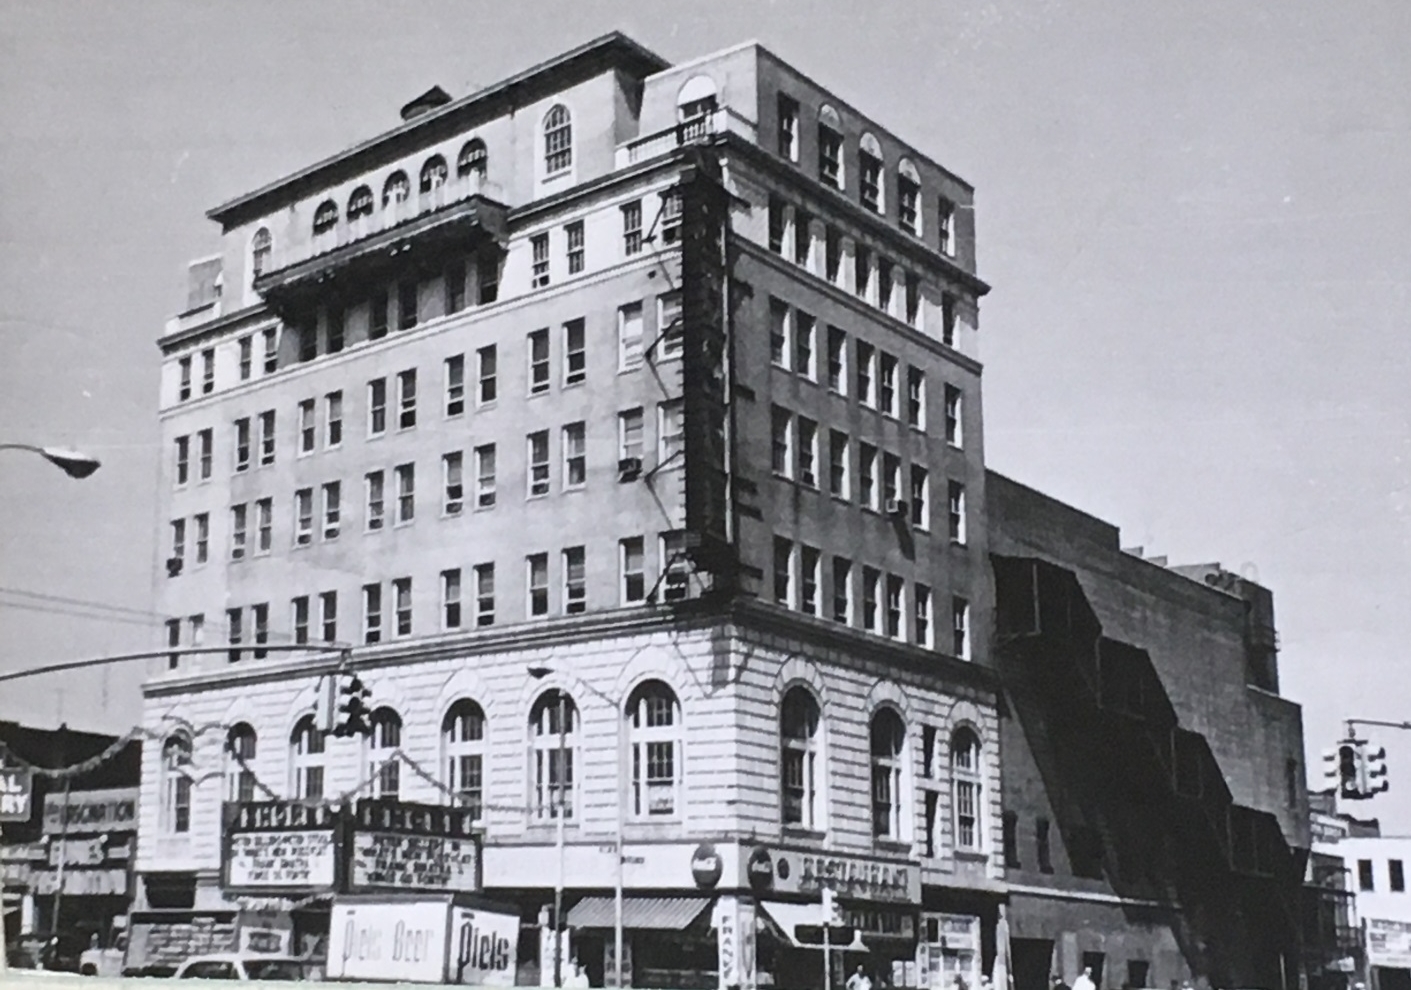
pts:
pixel 892 846
pixel 800 832
pixel 972 855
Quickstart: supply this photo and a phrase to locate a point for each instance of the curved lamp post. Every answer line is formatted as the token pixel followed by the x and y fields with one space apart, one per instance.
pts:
pixel 72 462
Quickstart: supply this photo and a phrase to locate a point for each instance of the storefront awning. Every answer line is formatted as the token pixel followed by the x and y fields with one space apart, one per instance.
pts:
pixel 786 916
pixel 669 914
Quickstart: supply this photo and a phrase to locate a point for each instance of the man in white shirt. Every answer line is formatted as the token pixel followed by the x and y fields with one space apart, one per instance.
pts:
pixel 1085 980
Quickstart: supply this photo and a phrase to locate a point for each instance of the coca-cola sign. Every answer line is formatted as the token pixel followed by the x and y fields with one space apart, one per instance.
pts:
pixel 706 866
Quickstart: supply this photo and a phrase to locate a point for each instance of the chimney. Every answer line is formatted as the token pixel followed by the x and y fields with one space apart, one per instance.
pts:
pixel 426 102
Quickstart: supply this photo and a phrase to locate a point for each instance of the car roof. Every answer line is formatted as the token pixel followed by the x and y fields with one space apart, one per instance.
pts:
pixel 241 957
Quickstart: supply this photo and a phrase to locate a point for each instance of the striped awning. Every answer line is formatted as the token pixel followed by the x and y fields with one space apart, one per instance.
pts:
pixel 668 914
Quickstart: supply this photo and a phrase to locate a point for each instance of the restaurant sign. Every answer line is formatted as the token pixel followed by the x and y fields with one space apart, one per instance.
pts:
pixel 280 844
pixel 797 872
pixel 404 846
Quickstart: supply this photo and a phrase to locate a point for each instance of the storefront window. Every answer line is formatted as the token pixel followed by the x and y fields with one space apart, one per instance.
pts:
pixel 552 724
pixel 798 758
pixel 240 748
pixel 888 746
pixel 463 736
pixel 654 724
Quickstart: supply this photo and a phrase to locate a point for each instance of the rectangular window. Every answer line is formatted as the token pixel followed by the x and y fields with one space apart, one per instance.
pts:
pixel 484 594
pixel 267 438
pixel 955 504
pixel 203 536
pixel 487 273
pixel 455 384
pixel 784 571
pixel 1010 826
pixel 867 475
pixel 830 156
pixel 913 300
pixel 954 431
pixel 916 398
pixel 178 546
pixel 670 429
pixel 575 467
pixel 837 360
pixel 208 371
pixel 303 517
pixel 406 493
pixel 247 357
pixel 333 419
pixel 271 350
pixel 1041 840
pixel 332 508
pixel 335 330
pixel 183 459
pixel 376 506
pixel 932 810
pixel 299 618
pixel 887 384
pixel 206 441
pixel 454 279
pixel 406 399
pixel 808 580
pixel 402 603
pixel 671 338
pixel 779 327
pixel 537 568
pixel 574 234
pixel 670 217
pixel 242 444
pixel 866 374
pixel 629 434
pixel 485 375
pixel 264 525
pixel 782 443
pixel 960 627
pixel 833 255
pixel 307 433
pixel 539 246
pixel 328 615
pixel 407 301
pixel 920 497
pixel 805 361
pixel 451 598
pixel 862 271
pixel 838 464
pixel 372 613
pixel 538 352
pixel 908 196
pixel 575 358
pixel 308 339
pixel 235 631
pixel 538 443
pixel 260 620
pixel 452 483
pixel 891 482
pixel 871 587
pixel 885 284
pixel 895 588
pixel 869 176
pixel 632 228
pixel 629 336
pixel 778 224
pixel 485 476
pixel 1365 880
pixel 377 407
pixel 808 452
pixel 803 239
pixel 575 588
pixel 633 570
pixel 945 218
pixel 788 127
pixel 377 316
pixel 948 320
pixel 1396 875
pixel 842 590
pixel 922 614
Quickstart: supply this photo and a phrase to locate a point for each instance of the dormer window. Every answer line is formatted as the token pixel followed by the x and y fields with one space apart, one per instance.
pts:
pixel 360 203
pixel 433 173
pixel 908 197
pixel 260 249
pixel 325 217
pixel 830 147
pixel 558 140
pixel 473 158
pixel 695 102
pixel 396 190
pixel 869 177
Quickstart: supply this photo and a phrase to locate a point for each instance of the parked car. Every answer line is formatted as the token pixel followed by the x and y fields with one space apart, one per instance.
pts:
pixel 233 966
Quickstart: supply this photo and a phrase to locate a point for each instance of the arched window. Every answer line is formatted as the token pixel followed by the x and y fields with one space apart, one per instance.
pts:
pixel 830 147
pixel 240 750
pixel 176 783
pixel 888 781
pixel 654 729
pixel 325 217
pixel 553 723
pixel 871 188
pixel 433 173
pixel 396 189
pixel 558 140
pixel 473 158
pixel 799 750
pixel 463 740
pixel 360 203
pixel 306 758
pixel 385 739
pixel 695 101
pixel 965 771
pixel 909 197
pixel 260 249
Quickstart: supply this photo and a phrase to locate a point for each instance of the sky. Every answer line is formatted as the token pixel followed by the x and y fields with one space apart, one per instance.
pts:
pixel 1194 218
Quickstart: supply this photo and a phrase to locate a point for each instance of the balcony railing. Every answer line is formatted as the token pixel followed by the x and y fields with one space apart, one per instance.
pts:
pixel 393 214
pixel 721 121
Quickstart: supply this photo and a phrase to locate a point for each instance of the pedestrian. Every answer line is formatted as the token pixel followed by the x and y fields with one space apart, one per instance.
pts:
pixel 1058 984
pixel 859 980
pixel 1085 980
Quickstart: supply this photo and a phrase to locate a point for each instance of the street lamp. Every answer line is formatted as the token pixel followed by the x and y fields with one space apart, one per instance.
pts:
pixel 71 462
pixel 539 673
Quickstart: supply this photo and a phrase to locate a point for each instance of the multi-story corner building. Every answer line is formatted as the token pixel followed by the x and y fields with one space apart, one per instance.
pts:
pixel 625 419
pixel 1155 806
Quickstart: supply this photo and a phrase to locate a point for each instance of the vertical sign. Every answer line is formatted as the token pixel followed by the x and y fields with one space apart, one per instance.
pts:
pixel 727 927
pixel 16 793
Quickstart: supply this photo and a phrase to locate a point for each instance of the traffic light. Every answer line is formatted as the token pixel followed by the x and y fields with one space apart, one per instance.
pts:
pixel 352 708
pixel 1350 770
pixel 1374 773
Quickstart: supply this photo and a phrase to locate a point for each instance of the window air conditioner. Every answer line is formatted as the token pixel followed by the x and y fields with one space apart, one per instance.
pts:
pixel 895 507
pixel 629 468
pixel 173 566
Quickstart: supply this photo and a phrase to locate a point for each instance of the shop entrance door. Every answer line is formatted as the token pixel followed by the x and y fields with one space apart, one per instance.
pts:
pixel 1031 960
